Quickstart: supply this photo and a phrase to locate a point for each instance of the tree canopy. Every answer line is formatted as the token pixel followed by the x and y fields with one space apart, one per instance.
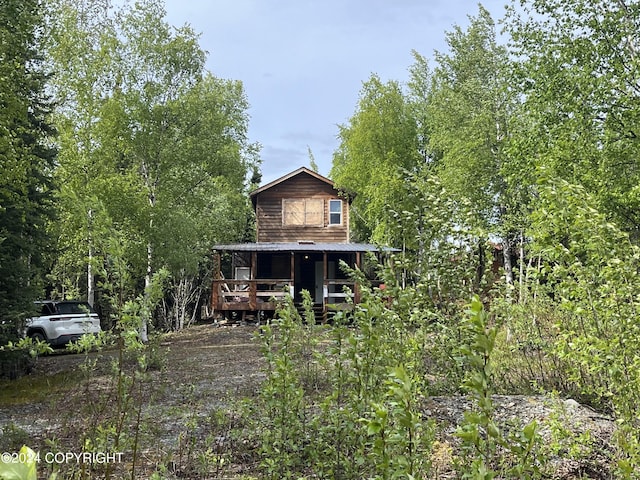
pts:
pixel 375 147
pixel 154 159
pixel 26 159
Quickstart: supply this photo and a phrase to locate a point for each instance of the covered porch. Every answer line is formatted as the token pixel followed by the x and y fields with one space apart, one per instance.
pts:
pixel 255 278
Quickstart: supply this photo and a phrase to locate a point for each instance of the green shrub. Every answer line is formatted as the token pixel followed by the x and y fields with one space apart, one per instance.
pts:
pixel 487 451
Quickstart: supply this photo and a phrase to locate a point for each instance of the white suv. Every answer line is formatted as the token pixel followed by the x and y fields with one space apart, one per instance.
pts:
pixel 62 322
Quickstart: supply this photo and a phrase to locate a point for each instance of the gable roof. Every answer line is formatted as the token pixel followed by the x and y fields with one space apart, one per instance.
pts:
pixel 297 172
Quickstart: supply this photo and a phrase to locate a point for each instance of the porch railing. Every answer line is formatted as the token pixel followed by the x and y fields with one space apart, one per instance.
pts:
pixel 259 294
pixel 268 294
pixel 334 291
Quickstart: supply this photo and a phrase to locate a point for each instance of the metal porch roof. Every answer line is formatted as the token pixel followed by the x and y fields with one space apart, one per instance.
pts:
pixel 302 247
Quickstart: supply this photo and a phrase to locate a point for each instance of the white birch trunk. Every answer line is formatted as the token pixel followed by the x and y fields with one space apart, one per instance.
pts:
pixel 91 300
pixel 508 266
pixel 91 295
pixel 144 318
pixel 146 312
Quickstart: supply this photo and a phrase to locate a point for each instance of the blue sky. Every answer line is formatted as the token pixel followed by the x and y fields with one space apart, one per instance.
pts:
pixel 303 62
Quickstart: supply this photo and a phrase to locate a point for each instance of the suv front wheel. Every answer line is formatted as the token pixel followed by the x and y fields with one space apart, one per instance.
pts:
pixel 38 336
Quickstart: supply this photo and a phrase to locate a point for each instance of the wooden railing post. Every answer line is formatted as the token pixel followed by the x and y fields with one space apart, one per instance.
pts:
pixel 253 298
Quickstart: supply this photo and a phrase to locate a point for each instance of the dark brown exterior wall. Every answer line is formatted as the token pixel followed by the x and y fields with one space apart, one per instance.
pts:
pixel 269 212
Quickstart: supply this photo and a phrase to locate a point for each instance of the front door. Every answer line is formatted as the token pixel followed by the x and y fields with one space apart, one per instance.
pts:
pixel 309 275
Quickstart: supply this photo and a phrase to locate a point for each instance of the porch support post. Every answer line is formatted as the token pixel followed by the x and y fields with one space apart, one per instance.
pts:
pixel 216 285
pixel 356 288
pixel 253 285
pixel 293 274
pixel 325 281
pixel 254 265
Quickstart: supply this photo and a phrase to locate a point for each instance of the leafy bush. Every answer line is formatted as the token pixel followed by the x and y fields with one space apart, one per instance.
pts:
pixel 592 270
pixel 487 451
pixel 363 418
pixel 21 468
pixel 17 359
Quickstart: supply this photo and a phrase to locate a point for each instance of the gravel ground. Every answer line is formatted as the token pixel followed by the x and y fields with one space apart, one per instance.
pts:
pixel 205 370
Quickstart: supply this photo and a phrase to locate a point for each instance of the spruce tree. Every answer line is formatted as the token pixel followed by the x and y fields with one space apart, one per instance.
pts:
pixel 27 158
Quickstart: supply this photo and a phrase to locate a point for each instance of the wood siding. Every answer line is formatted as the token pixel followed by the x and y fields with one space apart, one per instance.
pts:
pixel 270 215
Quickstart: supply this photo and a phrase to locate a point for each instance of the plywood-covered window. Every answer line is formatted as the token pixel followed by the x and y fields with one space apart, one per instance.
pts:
pixel 303 212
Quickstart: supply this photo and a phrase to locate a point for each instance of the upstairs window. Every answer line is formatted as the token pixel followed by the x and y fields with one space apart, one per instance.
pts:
pixel 303 212
pixel 335 212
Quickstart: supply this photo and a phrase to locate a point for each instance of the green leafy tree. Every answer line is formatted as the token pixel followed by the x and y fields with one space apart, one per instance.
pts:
pixel 312 159
pixel 468 109
pixel 593 268
pixel 376 148
pixel 79 52
pixel 26 159
pixel 166 156
pixel 419 87
pixel 578 74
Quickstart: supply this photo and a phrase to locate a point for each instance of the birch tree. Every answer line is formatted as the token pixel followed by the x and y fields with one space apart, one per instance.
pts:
pixel 167 144
pixel 579 65
pixel 377 146
pixel 469 111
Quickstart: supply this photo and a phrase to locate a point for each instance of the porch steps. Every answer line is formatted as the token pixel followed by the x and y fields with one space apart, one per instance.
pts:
pixel 317 311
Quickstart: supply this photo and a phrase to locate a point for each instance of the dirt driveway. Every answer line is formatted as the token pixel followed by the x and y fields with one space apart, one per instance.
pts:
pixel 194 375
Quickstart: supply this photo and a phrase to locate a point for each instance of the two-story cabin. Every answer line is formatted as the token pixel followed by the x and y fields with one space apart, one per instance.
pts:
pixel 302 225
